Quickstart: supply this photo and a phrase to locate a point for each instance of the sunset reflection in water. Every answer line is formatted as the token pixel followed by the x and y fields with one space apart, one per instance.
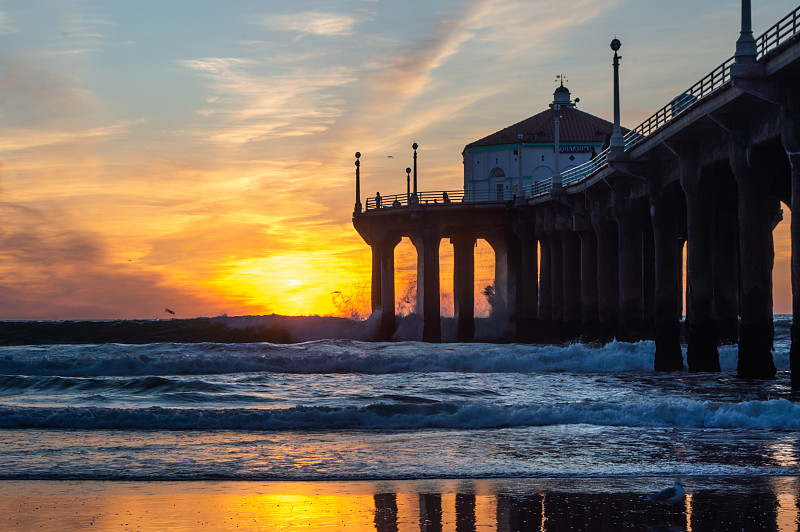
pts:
pixel 759 503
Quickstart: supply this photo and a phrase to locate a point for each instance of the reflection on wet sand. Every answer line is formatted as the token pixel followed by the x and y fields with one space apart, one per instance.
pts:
pixel 761 503
pixel 711 510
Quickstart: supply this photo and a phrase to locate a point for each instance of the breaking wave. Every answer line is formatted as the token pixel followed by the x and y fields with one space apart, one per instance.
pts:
pixel 335 356
pixel 776 414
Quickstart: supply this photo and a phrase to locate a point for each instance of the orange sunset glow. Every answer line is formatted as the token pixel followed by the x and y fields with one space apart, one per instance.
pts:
pixel 208 168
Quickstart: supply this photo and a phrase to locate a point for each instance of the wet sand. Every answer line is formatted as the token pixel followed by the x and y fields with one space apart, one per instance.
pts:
pixel 757 503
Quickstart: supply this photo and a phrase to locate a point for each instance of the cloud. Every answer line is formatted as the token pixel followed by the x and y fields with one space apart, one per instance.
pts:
pixel 409 71
pixel 50 268
pixel 256 106
pixel 311 22
pixel 22 139
pixel 5 25
pixel 502 29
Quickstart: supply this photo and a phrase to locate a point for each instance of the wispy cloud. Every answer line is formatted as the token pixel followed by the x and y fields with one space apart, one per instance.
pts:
pixel 6 27
pixel 505 29
pixel 256 106
pixel 408 70
pixel 311 22
pixel 22 139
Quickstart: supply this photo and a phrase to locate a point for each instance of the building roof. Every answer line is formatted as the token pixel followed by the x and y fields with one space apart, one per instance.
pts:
pixel 575 127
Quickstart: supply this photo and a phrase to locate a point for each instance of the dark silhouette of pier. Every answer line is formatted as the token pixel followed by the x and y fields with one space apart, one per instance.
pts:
pixel 552 510
pixel 708 171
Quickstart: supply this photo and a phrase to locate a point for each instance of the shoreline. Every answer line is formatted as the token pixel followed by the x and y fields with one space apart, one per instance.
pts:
pixel 712 503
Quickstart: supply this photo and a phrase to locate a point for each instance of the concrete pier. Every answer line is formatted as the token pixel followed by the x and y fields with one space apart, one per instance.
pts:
pixel 431 316
pixel 607 274
pixel 629 228
pixel 726 255
pixel 376 292
pixel 571 276
pixel 528 285
pixel 590 317
pixel 648 278
pixel 388 324
pixel 667 207
pixel 556 276
pixel 790 139
pixel 463 285
pixel 701 335
pixel 757 211
pixel 545 284
pixel 597 251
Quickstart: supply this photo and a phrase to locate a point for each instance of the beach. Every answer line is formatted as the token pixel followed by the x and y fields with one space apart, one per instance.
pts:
pixel 458 505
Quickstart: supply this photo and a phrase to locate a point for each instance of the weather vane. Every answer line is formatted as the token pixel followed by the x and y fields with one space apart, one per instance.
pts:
pixel 562 78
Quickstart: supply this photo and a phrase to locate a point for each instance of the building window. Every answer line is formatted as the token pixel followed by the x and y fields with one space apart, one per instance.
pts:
pixel 497 173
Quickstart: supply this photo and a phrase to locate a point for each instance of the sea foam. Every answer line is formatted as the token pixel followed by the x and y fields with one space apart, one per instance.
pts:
pixel 775 414
pixel 336 356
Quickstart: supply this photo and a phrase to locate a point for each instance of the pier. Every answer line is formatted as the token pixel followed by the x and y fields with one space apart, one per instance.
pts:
pixel 707 171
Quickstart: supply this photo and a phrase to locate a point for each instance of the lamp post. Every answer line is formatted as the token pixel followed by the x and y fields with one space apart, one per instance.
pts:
pixel 617 143
pixel 408 185
pixel 415 196
pixel 745 63
pixel 357 208
pixel 746 49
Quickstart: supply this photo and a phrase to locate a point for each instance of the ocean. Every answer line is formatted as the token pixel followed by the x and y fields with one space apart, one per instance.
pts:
pixel 352 410
pixel 355 411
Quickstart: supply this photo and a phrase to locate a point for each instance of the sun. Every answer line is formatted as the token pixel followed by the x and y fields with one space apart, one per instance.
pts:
pixel 291 283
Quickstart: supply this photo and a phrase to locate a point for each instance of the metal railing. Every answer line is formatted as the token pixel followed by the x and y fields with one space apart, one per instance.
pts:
pixel 703 88
pixel 784 29
pixel 709 84
pixel 401 200
pixel 778 34
pixel 440 197
pixel 537 189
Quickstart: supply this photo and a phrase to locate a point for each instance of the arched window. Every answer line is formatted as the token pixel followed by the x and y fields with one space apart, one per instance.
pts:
pixel 496 172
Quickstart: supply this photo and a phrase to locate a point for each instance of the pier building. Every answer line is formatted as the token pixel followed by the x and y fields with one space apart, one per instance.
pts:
pixel 519 156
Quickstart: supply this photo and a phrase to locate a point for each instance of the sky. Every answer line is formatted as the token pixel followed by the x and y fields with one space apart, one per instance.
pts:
pixel 198 155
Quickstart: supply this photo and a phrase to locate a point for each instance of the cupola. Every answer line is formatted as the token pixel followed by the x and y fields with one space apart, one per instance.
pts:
pixel 562 97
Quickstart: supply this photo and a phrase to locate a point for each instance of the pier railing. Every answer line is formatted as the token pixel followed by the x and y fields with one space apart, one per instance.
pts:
pixel 776 35
pixel 703 88
pixel 779 33
pixel 784 29
pixel 440 197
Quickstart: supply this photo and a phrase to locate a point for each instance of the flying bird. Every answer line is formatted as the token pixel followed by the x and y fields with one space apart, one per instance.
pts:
pixel 390 156
pixel 170 311
pixel 670 495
